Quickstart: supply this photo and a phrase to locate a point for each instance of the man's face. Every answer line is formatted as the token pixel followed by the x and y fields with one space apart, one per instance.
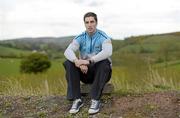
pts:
pixel 90 24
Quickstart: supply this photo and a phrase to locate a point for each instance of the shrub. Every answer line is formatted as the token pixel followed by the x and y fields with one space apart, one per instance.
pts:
pixel 35 63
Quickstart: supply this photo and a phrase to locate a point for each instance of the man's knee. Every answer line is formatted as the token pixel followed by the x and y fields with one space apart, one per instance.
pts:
pixel 104 65
pixel 67 64
pixel 104 68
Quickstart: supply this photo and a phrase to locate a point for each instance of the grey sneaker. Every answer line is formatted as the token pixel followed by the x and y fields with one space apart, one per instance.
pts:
pixel 77 104
pixel 94 108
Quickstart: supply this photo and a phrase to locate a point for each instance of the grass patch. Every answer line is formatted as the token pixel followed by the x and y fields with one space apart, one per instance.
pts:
pixel 133 77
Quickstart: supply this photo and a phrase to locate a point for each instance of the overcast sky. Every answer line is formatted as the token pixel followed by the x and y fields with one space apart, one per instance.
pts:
pixel 118 18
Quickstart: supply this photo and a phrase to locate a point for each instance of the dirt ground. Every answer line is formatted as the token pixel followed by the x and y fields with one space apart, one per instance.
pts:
pixel 150 105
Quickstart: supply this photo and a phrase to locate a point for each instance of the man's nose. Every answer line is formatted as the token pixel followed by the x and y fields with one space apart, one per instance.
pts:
pixel 89 24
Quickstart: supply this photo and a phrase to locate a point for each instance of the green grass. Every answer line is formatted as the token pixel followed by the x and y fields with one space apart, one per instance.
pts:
pixel 13 82
pixel 133 76
pixel 9 67
pixel 6 51
pixel 135 48
pixel 170 64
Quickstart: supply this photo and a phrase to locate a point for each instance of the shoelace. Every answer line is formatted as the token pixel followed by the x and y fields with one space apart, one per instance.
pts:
pixel 94 104
pixel 75 103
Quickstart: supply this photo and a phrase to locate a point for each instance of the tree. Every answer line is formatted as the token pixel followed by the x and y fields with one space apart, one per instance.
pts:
pixel 35 63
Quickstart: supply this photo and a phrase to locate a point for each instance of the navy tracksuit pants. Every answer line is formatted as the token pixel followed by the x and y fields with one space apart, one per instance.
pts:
pixel 98 75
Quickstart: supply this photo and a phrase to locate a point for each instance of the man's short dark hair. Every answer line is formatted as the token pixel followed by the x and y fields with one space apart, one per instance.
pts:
pixel 90 14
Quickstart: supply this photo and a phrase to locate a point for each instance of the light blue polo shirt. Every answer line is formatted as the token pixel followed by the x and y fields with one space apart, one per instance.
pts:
pixel 91 45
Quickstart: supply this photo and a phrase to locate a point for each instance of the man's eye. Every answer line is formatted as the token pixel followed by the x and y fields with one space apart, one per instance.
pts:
pixel 86 22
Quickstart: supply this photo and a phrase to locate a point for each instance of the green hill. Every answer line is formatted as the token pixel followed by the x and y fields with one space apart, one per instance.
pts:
pixel 148 43
pixel 12 52
pixel 154 48
pixel 41 43
pixel 53 46
pixel 151 45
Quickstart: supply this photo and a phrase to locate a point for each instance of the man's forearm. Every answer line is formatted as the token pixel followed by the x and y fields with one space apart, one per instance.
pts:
pixel 104 54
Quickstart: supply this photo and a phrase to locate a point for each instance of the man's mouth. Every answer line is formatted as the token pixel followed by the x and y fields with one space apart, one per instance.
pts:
pixel 89 28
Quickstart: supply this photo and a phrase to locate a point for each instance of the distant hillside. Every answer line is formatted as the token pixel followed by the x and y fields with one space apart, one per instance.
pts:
pixel 53 46
pixel 41 43
pixel 152 48
pixel 151 45
pixel 148 43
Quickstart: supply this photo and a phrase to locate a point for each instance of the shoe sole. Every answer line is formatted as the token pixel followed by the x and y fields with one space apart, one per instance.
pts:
pixel 77 110
pixel 94 112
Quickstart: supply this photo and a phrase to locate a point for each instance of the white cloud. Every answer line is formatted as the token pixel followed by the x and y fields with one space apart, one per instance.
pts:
pixel 119 18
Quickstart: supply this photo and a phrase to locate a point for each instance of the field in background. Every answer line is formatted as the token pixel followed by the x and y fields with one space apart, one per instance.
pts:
pixel 133 75
pixel 16 83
